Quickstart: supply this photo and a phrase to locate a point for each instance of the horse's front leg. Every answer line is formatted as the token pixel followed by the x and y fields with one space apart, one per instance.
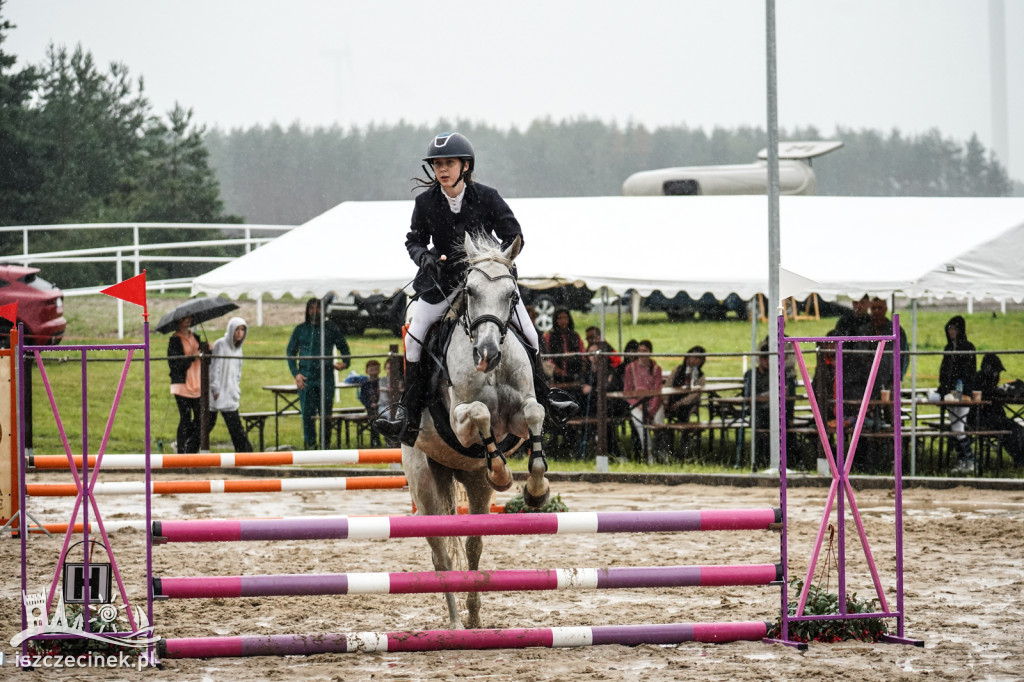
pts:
pixel 479 496
pixel 537 489
pixel 471 421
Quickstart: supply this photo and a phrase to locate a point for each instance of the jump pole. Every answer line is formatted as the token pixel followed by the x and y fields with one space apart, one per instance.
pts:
pixel 385 527
pixel 226 459
pixel 208 587
pixel 267 485
pixel 438 640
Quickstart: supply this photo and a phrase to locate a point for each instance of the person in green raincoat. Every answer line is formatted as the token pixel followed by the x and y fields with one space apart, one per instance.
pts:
pixel 304 352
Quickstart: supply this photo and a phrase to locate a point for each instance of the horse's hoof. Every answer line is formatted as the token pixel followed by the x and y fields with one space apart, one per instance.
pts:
pixel 500 487
pixel 536 501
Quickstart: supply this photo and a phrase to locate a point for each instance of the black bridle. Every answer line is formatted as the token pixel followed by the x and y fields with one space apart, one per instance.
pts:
pixel 469 326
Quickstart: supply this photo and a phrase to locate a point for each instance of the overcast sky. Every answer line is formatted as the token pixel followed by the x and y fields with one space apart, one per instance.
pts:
pixel 909 64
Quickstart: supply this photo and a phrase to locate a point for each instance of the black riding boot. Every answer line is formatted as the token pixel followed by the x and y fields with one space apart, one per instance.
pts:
pixel 559 405
pixel 406 424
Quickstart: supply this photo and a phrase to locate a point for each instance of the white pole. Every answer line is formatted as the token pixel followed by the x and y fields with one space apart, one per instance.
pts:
pixel 135 241
pixel 120 303
pixel 774 246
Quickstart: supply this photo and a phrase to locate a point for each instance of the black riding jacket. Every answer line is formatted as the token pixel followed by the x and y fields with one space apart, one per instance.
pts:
pixel 483 212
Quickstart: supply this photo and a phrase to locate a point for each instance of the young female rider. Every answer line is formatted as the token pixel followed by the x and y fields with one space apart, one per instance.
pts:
pixel 452 206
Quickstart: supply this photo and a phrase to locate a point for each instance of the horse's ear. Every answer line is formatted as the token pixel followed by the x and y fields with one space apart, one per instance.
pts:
pixel 514 248
pixel 471 250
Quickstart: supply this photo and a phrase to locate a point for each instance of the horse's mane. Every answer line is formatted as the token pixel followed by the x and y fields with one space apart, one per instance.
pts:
pixel 489 251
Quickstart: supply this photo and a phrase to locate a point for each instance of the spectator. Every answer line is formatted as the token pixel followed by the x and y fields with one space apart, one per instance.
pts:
pixel 593 335
pixel 824 380
pixel 627 353
pixel 305 362
pixel 562 338
pixel 856 354
pixel 689 374
pixel 644 374
pixel 881 324
pixel 616 408
pixel 370 397
pixel 226 383
pixel 183 360
pixel 956 374
pixel 756 382
pixel 992 417
pixel 627 358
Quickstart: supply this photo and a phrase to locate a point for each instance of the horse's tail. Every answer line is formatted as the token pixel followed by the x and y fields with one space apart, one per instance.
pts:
pixel 456 546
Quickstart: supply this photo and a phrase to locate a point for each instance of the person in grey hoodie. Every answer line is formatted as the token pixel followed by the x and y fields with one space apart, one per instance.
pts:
pixel 226 383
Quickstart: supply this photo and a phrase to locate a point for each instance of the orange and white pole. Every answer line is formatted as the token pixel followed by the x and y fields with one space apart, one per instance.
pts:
pixel 225 459
pixel 264 485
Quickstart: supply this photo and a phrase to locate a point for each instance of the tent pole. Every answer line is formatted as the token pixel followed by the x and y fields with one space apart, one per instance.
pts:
pixel 754 314
pixel 323 375
pixel 913 388
pixel 620 322
pixel 604 306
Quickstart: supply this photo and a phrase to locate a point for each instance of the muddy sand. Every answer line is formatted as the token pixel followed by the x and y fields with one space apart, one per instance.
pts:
pixel 964 553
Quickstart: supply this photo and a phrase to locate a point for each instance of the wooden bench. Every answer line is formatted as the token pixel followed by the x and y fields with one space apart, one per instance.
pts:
pixel 984 442
pixel 258 420
pixel 693 427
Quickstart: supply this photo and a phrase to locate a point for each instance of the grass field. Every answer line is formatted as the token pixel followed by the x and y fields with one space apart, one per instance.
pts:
pixel 93 320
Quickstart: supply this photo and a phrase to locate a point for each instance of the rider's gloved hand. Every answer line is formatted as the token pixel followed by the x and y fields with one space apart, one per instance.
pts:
pixel 430 264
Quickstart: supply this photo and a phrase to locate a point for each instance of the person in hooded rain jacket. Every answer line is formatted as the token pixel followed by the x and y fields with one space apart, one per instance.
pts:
pixel 226 383
pixel 960 364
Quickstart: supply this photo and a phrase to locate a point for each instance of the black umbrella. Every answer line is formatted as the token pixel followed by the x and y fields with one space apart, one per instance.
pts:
pixel 201 310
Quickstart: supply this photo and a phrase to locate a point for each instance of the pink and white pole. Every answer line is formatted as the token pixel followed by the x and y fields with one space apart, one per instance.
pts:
pixel 437 640
pixel 210 587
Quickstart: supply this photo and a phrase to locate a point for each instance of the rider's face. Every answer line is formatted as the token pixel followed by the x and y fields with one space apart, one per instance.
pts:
pixel 447 171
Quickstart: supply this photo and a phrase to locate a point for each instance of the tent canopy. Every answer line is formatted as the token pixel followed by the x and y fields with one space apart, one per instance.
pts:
pixel 844 246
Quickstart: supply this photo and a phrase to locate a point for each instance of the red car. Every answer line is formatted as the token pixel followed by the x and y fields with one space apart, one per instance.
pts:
pixel 40 305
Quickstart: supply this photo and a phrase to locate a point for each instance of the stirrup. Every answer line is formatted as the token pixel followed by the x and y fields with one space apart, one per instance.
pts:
pixel 392 428
pixel 561 406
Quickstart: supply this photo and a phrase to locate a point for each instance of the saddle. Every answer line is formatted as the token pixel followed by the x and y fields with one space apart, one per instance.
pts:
pixel 439 338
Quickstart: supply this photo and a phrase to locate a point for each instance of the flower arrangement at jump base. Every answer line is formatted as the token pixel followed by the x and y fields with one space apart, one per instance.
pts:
pixel 517 505
pixel 821 602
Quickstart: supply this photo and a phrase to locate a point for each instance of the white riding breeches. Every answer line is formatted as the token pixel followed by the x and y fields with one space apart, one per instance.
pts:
pixel 424 315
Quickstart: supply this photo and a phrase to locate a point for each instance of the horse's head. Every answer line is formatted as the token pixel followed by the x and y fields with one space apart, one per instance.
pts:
pixel 491 295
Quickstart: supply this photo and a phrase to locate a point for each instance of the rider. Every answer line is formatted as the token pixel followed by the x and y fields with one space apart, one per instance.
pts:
pixel 452 206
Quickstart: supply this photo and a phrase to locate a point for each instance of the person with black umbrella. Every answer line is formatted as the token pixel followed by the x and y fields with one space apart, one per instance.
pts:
pixel 183 359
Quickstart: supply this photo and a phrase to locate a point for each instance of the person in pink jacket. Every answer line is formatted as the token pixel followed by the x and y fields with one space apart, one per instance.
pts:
pixel 644 374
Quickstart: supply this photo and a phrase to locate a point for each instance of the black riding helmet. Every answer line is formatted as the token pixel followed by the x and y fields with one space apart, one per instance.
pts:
pixel 451 146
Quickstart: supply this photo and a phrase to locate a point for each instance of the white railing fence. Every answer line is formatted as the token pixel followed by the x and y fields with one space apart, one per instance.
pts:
pixel 136 253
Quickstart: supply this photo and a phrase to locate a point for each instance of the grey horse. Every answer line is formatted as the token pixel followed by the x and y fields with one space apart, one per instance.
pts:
pixel 491 396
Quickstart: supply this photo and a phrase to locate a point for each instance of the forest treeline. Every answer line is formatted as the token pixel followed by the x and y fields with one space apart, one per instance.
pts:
pixel 82 144
pixel 271 174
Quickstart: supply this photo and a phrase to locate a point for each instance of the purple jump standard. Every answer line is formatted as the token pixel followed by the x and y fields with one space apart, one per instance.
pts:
pixel 208 587
pixel 436 640
pixel 384 527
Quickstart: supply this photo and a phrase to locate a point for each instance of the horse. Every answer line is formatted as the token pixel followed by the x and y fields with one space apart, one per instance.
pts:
pixel 490 398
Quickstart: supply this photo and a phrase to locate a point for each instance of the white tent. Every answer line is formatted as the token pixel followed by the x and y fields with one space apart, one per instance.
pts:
pixel 844 245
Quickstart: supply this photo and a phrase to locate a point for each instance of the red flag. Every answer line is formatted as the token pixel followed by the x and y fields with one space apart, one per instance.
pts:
pixel 10 312
pixel 132 290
